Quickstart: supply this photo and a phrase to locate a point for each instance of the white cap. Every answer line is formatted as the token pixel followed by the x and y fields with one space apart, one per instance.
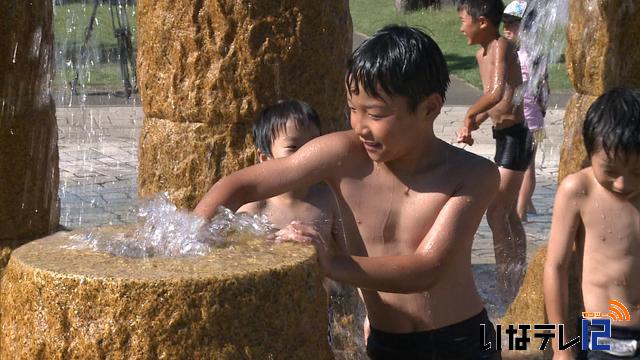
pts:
pixel 516 8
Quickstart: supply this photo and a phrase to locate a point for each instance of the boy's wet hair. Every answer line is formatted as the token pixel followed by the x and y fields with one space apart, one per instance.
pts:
pixel 273 119
pixel 491 9
pixel 400 61
pixel 613 123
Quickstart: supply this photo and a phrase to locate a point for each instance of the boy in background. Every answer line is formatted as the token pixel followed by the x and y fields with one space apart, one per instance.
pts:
pixel 409 209
pixel 282 129
pixel 597 210
pixel 500 74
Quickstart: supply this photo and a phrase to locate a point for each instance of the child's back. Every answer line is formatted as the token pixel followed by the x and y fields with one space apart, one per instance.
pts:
pixel 499 68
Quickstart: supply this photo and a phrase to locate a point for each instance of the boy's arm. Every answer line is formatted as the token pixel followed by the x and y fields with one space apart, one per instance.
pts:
pixel 564 228
pixel 480 118
pixel 497 82
pixel 456 223
pixel 312 163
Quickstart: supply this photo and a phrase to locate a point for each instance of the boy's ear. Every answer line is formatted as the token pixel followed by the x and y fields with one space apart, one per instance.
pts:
pixel 262 156
pixel 431 106
pixel 483 21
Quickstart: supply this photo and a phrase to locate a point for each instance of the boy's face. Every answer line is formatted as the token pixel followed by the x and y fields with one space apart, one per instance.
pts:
pixel 619 175
pixel 469 26
pixel 291 139
pixel 511 30
pixel 385 126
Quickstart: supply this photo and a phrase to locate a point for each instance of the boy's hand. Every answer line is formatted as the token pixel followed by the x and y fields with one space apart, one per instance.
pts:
pixel 471 123
pixel 304 233
pixel 464 136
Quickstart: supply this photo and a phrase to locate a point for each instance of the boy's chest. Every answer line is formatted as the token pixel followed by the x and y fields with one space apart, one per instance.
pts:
pixel 612 228
pixel 305 212
pixel 387 216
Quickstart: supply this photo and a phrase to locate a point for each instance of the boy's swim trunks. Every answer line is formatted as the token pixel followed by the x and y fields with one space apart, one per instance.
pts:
pixel 459 341
pixel 513 147
pixel 624 344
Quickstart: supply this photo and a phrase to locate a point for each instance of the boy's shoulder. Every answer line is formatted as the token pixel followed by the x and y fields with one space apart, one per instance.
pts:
pixel 578 184
pixel 338 141
pixel 470 167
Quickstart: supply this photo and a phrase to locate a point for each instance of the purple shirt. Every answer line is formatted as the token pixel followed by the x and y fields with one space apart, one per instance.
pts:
pixel 533 112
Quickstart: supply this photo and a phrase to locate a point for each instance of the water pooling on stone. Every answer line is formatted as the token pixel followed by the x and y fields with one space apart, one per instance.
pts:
pixel 164 230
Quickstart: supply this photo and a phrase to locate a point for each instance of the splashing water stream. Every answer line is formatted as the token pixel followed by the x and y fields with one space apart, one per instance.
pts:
pixel 164 230
pixel 543 33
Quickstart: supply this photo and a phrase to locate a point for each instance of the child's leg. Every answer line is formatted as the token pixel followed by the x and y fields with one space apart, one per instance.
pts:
pixel 508 237
pixel 519 257
pixel 528 186
pixel 526 192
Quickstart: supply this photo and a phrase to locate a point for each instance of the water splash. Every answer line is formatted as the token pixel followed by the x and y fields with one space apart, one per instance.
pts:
pixel 163 230
pixel 542 37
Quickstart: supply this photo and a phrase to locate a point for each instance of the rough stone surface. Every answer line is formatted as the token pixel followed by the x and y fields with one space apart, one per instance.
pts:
pixel 26 57
pixel 28 133
pixel 602 45
pixel 249 301
pixel 528 307
pixel 573 155
pixel 185 159
pixel 29 175
pixel 221 62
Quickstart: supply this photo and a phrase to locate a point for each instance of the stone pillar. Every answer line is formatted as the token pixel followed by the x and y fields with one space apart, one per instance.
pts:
pixel 28 132
pixel 601 54
pixel 206 68
pixel 252 300
pixel 529 308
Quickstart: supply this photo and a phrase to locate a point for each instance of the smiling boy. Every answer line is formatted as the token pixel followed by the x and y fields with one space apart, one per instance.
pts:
pixel 409 207
pixel 500 73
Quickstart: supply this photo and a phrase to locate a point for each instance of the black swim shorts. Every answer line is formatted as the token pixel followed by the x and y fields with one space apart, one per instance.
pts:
pixel 460 341
pixel 624 344
pixel 514 147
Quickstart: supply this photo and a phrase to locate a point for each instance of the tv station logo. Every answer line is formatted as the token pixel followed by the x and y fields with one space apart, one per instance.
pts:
pixel 595 333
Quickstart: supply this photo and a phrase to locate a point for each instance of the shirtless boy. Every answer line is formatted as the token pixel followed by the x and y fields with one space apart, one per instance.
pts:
pixel 282 129
pixel 409 207
pixel 500 73
pixel 597 210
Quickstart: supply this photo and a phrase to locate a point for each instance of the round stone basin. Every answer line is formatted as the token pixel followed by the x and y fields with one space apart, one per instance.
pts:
pixel 254 300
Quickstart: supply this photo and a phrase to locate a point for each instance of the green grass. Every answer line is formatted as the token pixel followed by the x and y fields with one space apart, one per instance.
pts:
pixel 443 25
pixel 99 77
pixel 70 24
pixel 71 21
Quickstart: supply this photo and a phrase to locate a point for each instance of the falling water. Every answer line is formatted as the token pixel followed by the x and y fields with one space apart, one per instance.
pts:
pixel 542 36
pixel 98 119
